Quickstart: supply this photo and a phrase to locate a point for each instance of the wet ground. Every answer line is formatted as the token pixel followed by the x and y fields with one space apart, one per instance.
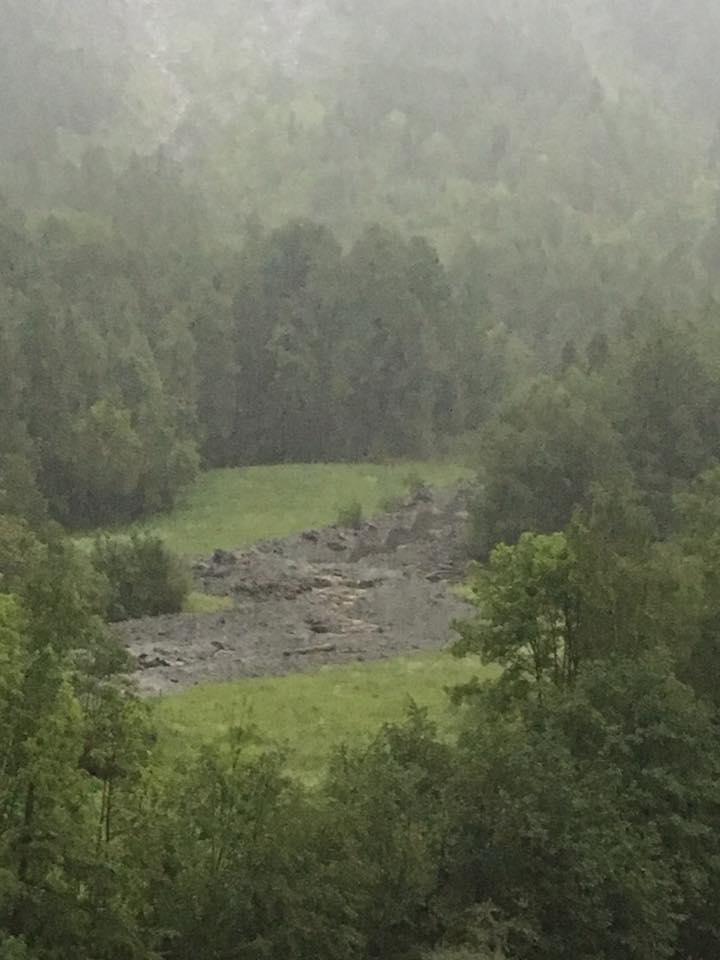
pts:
pixel 336 595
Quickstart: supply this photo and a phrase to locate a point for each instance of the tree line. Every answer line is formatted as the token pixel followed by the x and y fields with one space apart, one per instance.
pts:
pixel 575 810
pixel 134 351
pixel 353 238
pixel 132 355
pixel 641 407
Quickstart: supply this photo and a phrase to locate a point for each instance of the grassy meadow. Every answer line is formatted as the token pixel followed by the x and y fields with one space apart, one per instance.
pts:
pixel 233 508
pixel 312 713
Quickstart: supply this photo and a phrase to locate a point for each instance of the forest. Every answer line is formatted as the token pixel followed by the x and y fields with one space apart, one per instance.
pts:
pixel 255 233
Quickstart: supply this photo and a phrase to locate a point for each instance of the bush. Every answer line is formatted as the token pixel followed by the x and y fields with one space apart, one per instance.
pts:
pixel 391 504
pixel 414 483
pixel 144 578
pixel 540 457
pixel 20 552
pixel 350 515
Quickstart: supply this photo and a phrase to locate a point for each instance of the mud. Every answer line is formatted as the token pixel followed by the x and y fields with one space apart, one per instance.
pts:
pixel 327 596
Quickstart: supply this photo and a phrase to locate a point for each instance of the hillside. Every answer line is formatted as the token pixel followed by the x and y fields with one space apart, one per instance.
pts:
pixel 234 508
pixel 265 233
pixel 249 250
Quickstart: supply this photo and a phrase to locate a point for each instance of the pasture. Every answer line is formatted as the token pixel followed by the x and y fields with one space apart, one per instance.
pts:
pixel 311 714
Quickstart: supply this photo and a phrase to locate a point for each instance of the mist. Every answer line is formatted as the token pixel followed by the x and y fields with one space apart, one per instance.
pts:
pixel 359 484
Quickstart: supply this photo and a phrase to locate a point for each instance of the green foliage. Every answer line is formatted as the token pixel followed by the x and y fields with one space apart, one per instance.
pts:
pixel 144 578
pixel 626 582
pixel 20 552
pixel 562 841
pixel 540 458
pixel 637 719
pixel 562 159
pixel 465 953
pixel 670 428
pixel 291 351
pixel 391 504
pixel 696 539
pixel 646 416
pixel 19 493
pixel 69 733
pixel 350 515
pixel 603 588
pixel 13 948
pixel 102 437
pixel 414 483
pixel 580 822
pixel 244 826
pixel 197 602
pixel 385 814
pixel 529 613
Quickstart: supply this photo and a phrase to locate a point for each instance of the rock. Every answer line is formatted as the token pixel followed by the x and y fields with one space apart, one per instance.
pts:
pixel 425 519
pixel 366 548
pixel 223 558
pixel 370 582
pixel 324 583
pixel 147 662
pixel 295 599
pixel 397 536
pixel 308 651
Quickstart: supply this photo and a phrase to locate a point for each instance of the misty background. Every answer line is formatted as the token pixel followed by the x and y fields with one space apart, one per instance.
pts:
pixel 243 232
pixel 373 247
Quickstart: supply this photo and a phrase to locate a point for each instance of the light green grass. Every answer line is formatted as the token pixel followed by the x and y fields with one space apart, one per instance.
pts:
pixel 233 508
pixel 197 602
pixel 313 713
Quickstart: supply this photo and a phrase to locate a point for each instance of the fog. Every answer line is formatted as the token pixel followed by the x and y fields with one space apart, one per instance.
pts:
pixel 246 208
pixel 332 332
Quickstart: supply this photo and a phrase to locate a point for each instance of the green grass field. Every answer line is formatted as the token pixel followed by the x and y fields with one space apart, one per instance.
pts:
pixel 232 508
pixel 311 714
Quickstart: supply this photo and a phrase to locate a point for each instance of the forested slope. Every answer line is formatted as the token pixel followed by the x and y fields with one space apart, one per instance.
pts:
pixel 246 231
pixel 262 232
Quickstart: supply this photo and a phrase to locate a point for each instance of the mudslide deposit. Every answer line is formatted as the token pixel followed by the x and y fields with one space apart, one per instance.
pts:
pixel 328 596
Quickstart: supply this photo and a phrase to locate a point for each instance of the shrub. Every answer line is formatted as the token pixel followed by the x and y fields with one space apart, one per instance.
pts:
pixel 391 504
pixel 540 457
pixel 20 552
pixel 144 578
pixel 414 483
pixel 350 515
